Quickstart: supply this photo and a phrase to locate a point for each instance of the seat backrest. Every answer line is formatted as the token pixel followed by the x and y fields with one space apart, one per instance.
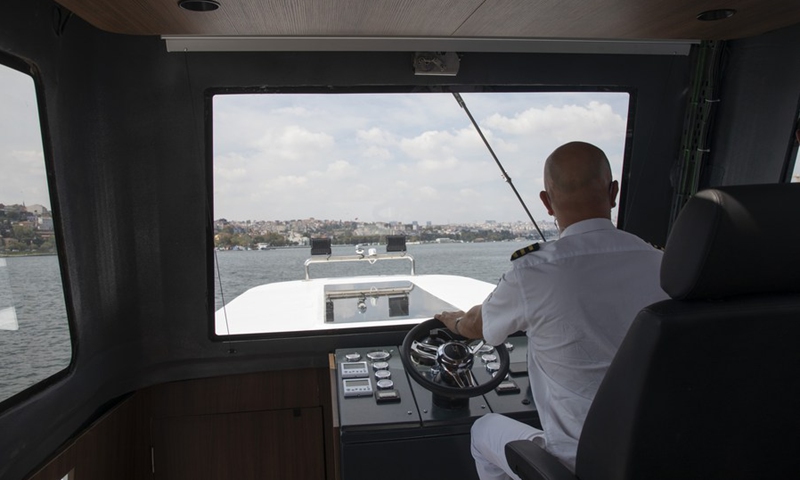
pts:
pixel 707 384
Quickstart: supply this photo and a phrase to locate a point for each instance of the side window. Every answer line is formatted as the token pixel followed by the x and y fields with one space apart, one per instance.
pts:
pixel 34 332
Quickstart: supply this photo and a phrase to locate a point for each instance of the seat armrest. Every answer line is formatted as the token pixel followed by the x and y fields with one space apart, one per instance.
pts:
pixel 531 462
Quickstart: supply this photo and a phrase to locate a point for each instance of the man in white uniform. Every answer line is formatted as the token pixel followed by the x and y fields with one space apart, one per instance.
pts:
pixel 574 297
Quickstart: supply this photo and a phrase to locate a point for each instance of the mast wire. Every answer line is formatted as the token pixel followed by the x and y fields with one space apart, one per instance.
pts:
pixel 209 212
pixel 497 161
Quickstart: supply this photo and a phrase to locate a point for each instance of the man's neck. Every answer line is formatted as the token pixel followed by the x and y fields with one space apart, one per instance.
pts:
pixel 567 220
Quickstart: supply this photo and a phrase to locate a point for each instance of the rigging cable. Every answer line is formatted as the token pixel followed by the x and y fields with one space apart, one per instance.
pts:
pixel 497 161
pixel 209 212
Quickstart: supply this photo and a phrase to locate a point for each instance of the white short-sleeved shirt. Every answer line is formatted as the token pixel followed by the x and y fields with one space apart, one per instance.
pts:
pixel 575 298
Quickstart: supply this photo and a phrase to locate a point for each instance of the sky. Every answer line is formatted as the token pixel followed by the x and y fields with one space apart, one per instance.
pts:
pixel 22 173
pixel 370 157
pixel 399 157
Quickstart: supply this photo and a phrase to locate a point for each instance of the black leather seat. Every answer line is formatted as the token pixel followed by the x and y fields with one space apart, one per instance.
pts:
pixel 706 384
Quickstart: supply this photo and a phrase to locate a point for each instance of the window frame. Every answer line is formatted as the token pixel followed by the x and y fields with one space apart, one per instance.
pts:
pixel 33 71
pixel 791 164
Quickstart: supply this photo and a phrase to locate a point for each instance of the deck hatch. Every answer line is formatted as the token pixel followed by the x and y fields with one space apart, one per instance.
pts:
pixel 369 302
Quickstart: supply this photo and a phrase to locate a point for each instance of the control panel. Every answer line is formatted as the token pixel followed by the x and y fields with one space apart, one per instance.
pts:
pixel 386 418
pixel 374 389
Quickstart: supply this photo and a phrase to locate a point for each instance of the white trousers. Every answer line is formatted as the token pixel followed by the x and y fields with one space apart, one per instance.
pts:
pixel 489 436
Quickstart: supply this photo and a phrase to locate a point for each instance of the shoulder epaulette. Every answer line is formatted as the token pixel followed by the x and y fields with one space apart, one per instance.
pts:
pixel 524 251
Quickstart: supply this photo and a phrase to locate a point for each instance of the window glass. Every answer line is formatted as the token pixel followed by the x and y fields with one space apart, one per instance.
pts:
pixel 358 167
pixel 34 333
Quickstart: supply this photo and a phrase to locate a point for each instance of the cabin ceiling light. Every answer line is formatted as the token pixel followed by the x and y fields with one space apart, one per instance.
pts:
pixel 199 5
pixel 713 15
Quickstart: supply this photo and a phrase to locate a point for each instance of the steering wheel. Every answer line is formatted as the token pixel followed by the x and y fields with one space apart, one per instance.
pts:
pixel 450 357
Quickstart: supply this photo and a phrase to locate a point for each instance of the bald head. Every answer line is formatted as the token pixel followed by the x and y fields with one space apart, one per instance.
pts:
pixel 578 184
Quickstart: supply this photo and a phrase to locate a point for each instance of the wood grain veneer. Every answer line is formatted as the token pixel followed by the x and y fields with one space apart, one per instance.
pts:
pixel 598 19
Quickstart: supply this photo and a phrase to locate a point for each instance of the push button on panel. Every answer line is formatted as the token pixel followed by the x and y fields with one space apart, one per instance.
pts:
pixel 386 396
pixel 488 357
pixel 353 357
pixel 380 366
pixel 379 356
pixel 507 387
pixel 493 367
pixel 385 384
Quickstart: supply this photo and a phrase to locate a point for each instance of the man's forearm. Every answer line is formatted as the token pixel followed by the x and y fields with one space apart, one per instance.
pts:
pixel 469 324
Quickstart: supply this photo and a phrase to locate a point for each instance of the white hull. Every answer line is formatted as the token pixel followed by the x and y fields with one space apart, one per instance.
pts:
pixel 300 306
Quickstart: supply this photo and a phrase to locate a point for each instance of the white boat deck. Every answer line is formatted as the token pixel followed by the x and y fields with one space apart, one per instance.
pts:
pixel 300 306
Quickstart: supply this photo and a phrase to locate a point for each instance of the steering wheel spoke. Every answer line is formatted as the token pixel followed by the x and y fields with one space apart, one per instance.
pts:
pixel 474 347
pixel 424 350
pixel 463 379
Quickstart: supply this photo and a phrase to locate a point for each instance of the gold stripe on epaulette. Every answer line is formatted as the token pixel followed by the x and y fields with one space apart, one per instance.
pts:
pixel 524 251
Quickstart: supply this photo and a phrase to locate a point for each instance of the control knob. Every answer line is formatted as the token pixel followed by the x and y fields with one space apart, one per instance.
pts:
pixel 380 366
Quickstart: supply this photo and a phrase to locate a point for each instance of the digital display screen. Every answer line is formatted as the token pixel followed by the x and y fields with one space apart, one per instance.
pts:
pixel 357 383
pixel 350 367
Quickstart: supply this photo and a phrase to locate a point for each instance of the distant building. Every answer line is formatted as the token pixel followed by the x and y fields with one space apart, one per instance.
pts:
pixel 37 209
pixel 45 223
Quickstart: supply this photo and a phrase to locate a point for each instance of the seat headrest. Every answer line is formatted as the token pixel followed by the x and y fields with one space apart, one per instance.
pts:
pixel 735 241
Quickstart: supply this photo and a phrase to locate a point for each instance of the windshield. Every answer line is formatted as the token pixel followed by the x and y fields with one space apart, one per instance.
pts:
pixel 355 168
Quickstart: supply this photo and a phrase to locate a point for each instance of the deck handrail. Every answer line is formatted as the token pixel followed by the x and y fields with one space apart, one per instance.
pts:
pixel 362 257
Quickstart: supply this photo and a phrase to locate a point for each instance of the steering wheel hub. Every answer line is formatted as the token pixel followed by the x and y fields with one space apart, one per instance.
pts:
pixel 454 356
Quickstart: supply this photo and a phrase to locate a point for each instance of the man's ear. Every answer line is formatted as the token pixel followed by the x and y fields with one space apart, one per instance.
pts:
pixel 613 190
pixel 546 202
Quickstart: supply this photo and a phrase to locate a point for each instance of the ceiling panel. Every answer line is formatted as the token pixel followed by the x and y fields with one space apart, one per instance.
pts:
pixel 638 19
pixel 580 19
pixel 279 17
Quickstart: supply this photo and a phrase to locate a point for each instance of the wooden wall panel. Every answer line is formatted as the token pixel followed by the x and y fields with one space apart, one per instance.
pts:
pixel 237 393
pixel 276 424
pixel 635 19
pixel 115 446
pixel 243 446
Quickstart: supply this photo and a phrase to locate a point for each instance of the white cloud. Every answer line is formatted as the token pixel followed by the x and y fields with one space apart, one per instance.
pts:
pixel 294 142
pixel 377 153
pixel 376 136
pixel 594 121
pixel 340 169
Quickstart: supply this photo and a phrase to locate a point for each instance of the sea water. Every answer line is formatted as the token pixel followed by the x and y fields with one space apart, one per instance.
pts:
pixel 37 343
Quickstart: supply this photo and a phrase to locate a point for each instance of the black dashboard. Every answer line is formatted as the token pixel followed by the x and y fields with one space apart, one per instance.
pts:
pixel 391 428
